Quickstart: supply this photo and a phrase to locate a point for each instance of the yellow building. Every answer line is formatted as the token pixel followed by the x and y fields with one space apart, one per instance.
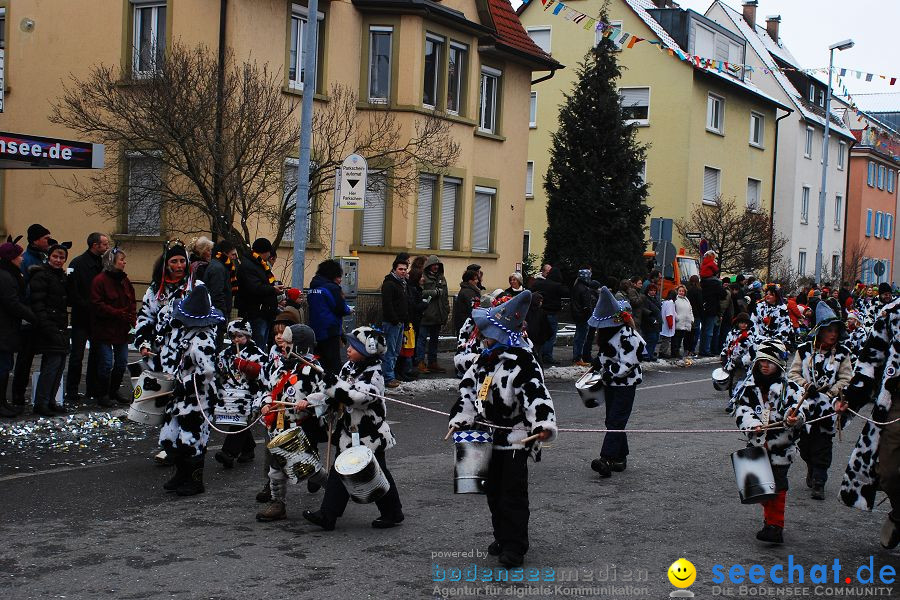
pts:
pixel 709 134
pixel 395 57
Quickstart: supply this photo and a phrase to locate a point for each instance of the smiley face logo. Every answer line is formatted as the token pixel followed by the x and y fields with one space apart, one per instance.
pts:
pixel 682 573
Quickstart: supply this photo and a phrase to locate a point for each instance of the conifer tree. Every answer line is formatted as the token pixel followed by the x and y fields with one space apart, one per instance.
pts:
pixel 596 206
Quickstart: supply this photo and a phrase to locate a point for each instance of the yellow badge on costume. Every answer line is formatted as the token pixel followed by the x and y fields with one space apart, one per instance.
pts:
pixel 485 388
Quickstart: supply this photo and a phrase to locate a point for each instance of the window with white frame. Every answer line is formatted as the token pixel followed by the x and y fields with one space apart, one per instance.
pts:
pixel 457 67
pixel 297 49
pixel 709 43
pixel 532 111
pixel 425 210
pixel 148 37
pixel 804 205
pixel 482 218
pixel 529 179
pixel 643 172
pixel 289 194
pixel 715 114
pixel 888 226
pixel 753 187
pixel 879 216
pixel 801 263
pixel 615 29
pixel 890 180
pixel 880 177
pixel 869 222
pixel 842 151
pixel 540 35
pixel 870 176
pixel 711 180
pixel 808 146
pixel 526 245
pixel 490 83
pixel 757 125
pixel 434 47
pixel 821 98
pixel 373 214
pixel 812 93
pixel 380 49
pixel 635 105
pixel 836 266
pixel 144 195
pixel 450 187
pixel 838 211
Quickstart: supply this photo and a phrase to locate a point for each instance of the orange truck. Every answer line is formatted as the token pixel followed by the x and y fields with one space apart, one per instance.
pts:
pixel 678 267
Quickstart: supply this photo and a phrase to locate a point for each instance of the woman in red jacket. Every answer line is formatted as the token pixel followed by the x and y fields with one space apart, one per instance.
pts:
pixel 112 317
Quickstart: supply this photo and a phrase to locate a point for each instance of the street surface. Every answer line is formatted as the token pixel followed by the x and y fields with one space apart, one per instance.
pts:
pixel 94 522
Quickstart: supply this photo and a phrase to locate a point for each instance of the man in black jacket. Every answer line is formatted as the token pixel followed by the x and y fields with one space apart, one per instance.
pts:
pixel 258 293
pixel 82 270
pixel 584 298
pixel 465 299
pixel 549 284
pixel 395 311
pixel 217 278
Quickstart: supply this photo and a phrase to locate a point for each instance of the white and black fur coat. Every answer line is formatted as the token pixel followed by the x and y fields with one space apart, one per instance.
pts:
pixel 305 381
pixel 829 372
pixel 468 347
pixel 772 322
pixel 362 411
pixel 517 398
pixel 857 339
pixel 618 360
pixel 155 330
pixel 739 351
pixel 229 377
pixel 750 406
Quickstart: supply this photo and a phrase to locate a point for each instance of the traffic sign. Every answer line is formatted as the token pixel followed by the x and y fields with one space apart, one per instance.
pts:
pixel 879 268
pixel 354 173
pixel 693 236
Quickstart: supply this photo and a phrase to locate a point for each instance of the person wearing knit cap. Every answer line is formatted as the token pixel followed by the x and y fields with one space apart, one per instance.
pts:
pixel 13 311
pixel 505 387
pixel 327 309
pixel 767 400
pixel 738 354
pixel 113 300
pixel 259 291
pixel 771 318
pixel 36 252
pixel 857 334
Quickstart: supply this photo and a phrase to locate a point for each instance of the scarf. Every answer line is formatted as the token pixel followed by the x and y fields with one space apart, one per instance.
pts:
pixel 262 262
pixel 232 271
pixel 740 338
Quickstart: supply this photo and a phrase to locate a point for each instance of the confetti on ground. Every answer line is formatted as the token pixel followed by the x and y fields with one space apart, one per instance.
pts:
pixel 87 432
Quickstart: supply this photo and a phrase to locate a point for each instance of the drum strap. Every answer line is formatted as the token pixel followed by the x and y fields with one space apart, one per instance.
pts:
pixel 483 394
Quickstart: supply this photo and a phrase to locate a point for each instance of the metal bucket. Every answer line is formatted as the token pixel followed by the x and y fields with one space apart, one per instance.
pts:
pixel 294 453
pixel 721 379
pixel 151 394
pixel 361 474
pixel 591 389
pixel 753 473
pixel 234 406
pixel 473 459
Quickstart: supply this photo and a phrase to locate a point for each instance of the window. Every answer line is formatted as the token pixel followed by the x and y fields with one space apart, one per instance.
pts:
pixel 812 93
pixel 888 226
pixel 380 39
pixel 643 172
pixel 456 76
pixel 890 180
pixel 144 196
pixel 615 27
pixel 709 43
pixel 715 114
pixel 880 177
pixel 753 186
pixel 870 178
pixel 481 219
pixel 842 150
pixel 374 211
pixel 711 178
pixel 425 210
pixel 532 111
pixel 869 222
pixel 490 82
pixel 821 98
pixel 807 148
pixel 529 179
pixel 149 38
pixel 290 196
pixel 540 36
pixel 838 212
pixel 433 50
pixel 836 266
pixel 879 216
pixel 635 105
pixel 757 123
pixel 526 245
pixel 801 263
pixel 449 202
pixel 804 205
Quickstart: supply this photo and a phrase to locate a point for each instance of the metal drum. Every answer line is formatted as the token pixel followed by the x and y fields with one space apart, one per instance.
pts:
pixel 151 394
pixel 721 379
pixel 361 474
pixel 294 453
pixel 753 473
pixel 473 459
pixel 234 406
pixel 591 389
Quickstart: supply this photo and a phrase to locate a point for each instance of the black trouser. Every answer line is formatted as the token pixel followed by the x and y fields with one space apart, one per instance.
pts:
pixel 507 496
pixel 336 495
pixel 815 450
pixel 238 443
pixel 681 338
pixel 329 353
pixel 76 357
pixel 24 359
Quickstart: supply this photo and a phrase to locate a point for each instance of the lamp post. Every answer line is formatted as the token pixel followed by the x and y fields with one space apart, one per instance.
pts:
pixel 844 45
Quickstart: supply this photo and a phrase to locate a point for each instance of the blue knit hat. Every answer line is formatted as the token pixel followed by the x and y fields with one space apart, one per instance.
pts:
pixel 504 321
pixel 825 317
pixel 196 310
pixel 608 312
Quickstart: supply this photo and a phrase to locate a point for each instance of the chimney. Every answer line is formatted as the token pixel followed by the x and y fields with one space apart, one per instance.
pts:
pixel 772 23
pixel 750 7
pixel 660 3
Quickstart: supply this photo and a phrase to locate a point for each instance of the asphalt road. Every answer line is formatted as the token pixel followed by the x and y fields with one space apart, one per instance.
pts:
pixel 94 522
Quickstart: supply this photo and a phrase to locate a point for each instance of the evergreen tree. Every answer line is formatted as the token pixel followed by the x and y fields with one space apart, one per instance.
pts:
pixel 596 206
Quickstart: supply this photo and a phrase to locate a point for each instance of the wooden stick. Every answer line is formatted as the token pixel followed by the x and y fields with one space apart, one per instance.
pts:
pixel 531 438
pixel 449 433
pixel 314 366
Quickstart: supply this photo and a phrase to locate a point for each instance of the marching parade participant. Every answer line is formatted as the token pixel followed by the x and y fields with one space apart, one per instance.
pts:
pixel 857 333
pixel 769 398
pixel 771 318
pixel 185 430
pixel 505 387
pixel 737 354
pixel 356 403
pixel 822 367
pixel 239 368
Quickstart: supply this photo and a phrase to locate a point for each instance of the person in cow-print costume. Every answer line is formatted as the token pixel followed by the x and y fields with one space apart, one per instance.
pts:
pixel 737 355
pixel 857 333
pixel 185 431
pixel 505 387
pixel 771 318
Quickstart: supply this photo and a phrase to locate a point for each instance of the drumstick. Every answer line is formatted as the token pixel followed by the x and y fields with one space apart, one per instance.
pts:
pixel 449 433
pixel 315 367
pixel 531 438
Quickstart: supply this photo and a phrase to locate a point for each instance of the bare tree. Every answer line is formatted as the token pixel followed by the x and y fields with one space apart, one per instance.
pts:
pixel 743 239
pixel 853 260
pixel 170 117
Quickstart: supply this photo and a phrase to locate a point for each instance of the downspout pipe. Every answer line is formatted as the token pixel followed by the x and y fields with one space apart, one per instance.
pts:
pixel 774 180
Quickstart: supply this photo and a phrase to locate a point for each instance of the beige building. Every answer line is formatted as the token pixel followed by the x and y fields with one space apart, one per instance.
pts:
pixel 467 61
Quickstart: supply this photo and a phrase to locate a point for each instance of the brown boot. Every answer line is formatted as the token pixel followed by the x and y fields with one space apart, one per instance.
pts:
pixel 421 367
pixel 435 368
pixel 274 511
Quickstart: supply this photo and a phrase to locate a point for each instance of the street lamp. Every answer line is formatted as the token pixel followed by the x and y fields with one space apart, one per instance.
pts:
pixel 843 45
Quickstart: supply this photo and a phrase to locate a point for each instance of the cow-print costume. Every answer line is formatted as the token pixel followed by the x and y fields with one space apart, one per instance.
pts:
pixel 828 371
pixel 772 322
pixel 289 380
pixel 155 330
pixel 468 347
pixel 857 339
pixel 783 395
pixel 618 360
pixel 231 378
pixel 517 398
pixel 362 411
pixel 877 369
pixel 868 308
pixel 739 350
pixel 185 432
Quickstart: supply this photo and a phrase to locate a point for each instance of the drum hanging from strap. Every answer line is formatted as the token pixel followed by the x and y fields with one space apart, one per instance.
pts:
pixel 234 406
pixel 753 473
pixel 591 389
pixel 293 451
pixel 720 379
pixel 473 459
pixel 361 474
pixel 151 394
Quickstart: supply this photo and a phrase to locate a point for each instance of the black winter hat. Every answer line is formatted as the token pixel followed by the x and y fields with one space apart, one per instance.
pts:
pixel 884 288
pixel 262 246
pixel 36 232
pixel 301 337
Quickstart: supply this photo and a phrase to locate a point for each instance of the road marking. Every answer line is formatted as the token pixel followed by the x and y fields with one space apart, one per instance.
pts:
pixel 640 388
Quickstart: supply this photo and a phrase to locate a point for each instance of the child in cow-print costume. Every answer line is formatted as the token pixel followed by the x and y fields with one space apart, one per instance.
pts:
pixel 769 397
pixel 468 342
pixel 353 397
pixel 875 461
pixel 294 381
pixel 505 387
pixel 822 367
pixel 771 318
pixel 617 362
pixel 737 355
pixel 185 431
pixel 239 368
pixel 857 333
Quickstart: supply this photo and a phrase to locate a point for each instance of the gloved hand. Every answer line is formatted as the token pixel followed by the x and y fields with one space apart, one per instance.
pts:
pixel 248 367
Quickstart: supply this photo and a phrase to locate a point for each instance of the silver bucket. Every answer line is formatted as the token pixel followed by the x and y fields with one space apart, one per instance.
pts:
pixel 361 474
pixel 721 379
pixel 591 389
pixel 234 407
pixel 473 459
pixel 753 473
pixel 152 392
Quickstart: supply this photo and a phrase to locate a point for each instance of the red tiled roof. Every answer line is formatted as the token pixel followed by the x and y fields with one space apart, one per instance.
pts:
pixel 510 32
